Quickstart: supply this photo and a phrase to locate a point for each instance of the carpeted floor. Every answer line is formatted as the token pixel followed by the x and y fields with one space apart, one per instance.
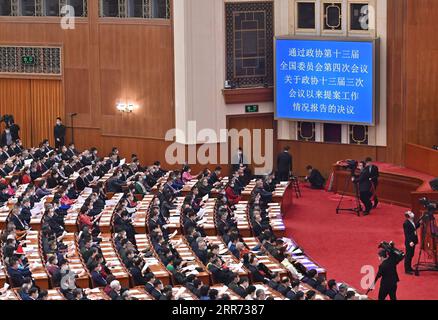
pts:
pixel 344 243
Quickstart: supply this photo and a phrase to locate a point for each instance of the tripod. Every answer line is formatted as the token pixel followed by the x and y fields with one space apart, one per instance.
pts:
pixel 427 220
pixel 358 208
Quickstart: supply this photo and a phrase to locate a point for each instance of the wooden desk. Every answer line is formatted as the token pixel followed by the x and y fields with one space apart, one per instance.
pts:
pixel 188 255
pixel 268 260
pixel 140 293
pixel 223 289
pixel 209 217
pixel 97 294
pixel 113 261
pixel 302 257
pixel 141 213
pixel 32 252
pixel 243 223
pixel 227 256
pixel 155 265
pixel 75 261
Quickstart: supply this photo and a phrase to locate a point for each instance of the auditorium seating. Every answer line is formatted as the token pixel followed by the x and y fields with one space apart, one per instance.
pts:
pixel 140 216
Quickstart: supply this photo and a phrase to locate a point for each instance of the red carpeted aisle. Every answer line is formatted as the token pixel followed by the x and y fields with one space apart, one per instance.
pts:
pixel 344 243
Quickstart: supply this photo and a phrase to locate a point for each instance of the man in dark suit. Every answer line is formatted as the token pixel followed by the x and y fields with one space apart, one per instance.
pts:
pixel 115 183
pixel 284 165
pixel 315 178
pixel 59 133
pixel 374 176
pixel 220 274
pixel 411 239
pixel 156 291
pixel 17 276
pixel 332 289
pixel 81 183
pixel 150 279
pixel 310 278
pixel 239 285
pixel 364 184
pixel 253 267
pixel 215 176
pixel 388 273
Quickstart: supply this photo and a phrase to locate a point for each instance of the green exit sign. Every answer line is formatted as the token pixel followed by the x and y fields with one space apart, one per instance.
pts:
pixel 28 60
pixel 251 108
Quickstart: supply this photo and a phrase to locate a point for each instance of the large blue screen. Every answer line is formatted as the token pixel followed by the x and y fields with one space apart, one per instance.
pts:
pixel 325 80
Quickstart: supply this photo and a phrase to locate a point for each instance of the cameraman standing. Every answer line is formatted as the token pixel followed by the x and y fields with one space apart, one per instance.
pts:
pixel 411 239
pixel 388 273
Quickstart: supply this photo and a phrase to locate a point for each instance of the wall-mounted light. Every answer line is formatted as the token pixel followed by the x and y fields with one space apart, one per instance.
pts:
pixel 125 107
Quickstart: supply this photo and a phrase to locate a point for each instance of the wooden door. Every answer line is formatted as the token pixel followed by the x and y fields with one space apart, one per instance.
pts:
pixel 252 122
pixel 35 105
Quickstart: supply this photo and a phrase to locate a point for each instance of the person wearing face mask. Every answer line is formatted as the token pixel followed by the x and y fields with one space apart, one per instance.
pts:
pixel 59 133
pixel 25 178
pixel 115 183
pixel 52 179
pixel 96 276
pixel 81 183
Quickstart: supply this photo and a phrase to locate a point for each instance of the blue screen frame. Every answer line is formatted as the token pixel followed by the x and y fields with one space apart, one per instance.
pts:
pixel 329 80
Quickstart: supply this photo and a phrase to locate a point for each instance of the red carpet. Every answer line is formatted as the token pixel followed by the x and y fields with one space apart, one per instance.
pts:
pixel 344 243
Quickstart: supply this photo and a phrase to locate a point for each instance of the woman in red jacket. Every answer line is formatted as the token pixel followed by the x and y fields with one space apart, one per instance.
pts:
pixel 25 178
pixel 233 198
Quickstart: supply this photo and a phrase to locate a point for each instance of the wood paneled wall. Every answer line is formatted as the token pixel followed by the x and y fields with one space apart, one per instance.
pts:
pixel 46 103
pixel 412 76
pixel 35 103
pixel 106 61
pixel 15 99
pixel 412 106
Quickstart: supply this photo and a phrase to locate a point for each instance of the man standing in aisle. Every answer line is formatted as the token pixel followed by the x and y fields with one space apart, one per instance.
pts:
pixel 374 178
pixel 59 132
pixel 284 165
pixel 411 239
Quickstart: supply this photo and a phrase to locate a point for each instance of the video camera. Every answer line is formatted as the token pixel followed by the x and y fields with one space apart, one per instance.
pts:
pixel 429 205
pixel 351 164
pixel 392 251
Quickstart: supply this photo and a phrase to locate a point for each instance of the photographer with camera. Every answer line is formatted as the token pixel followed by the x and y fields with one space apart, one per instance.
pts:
pixel 411 239
pixel 389 257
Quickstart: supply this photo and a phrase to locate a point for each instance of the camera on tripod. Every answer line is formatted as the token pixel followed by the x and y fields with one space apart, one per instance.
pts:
pixel 392 251
pixel 429 205
pixel 350 164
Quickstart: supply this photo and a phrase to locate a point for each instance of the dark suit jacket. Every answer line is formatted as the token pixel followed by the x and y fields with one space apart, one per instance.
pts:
pixel 410 232
pixel 364 180
pixel 256 274
pixel 284 163
pixel 388 273
pixel 316 179
pixel 16 277
pixel 80 184
pixel 220 275
pixel 156 294
pixel 374 174
pixel 237 289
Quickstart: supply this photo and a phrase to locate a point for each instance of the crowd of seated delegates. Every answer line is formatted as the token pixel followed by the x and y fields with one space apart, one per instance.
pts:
pixel 60 167
pixel 162 243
